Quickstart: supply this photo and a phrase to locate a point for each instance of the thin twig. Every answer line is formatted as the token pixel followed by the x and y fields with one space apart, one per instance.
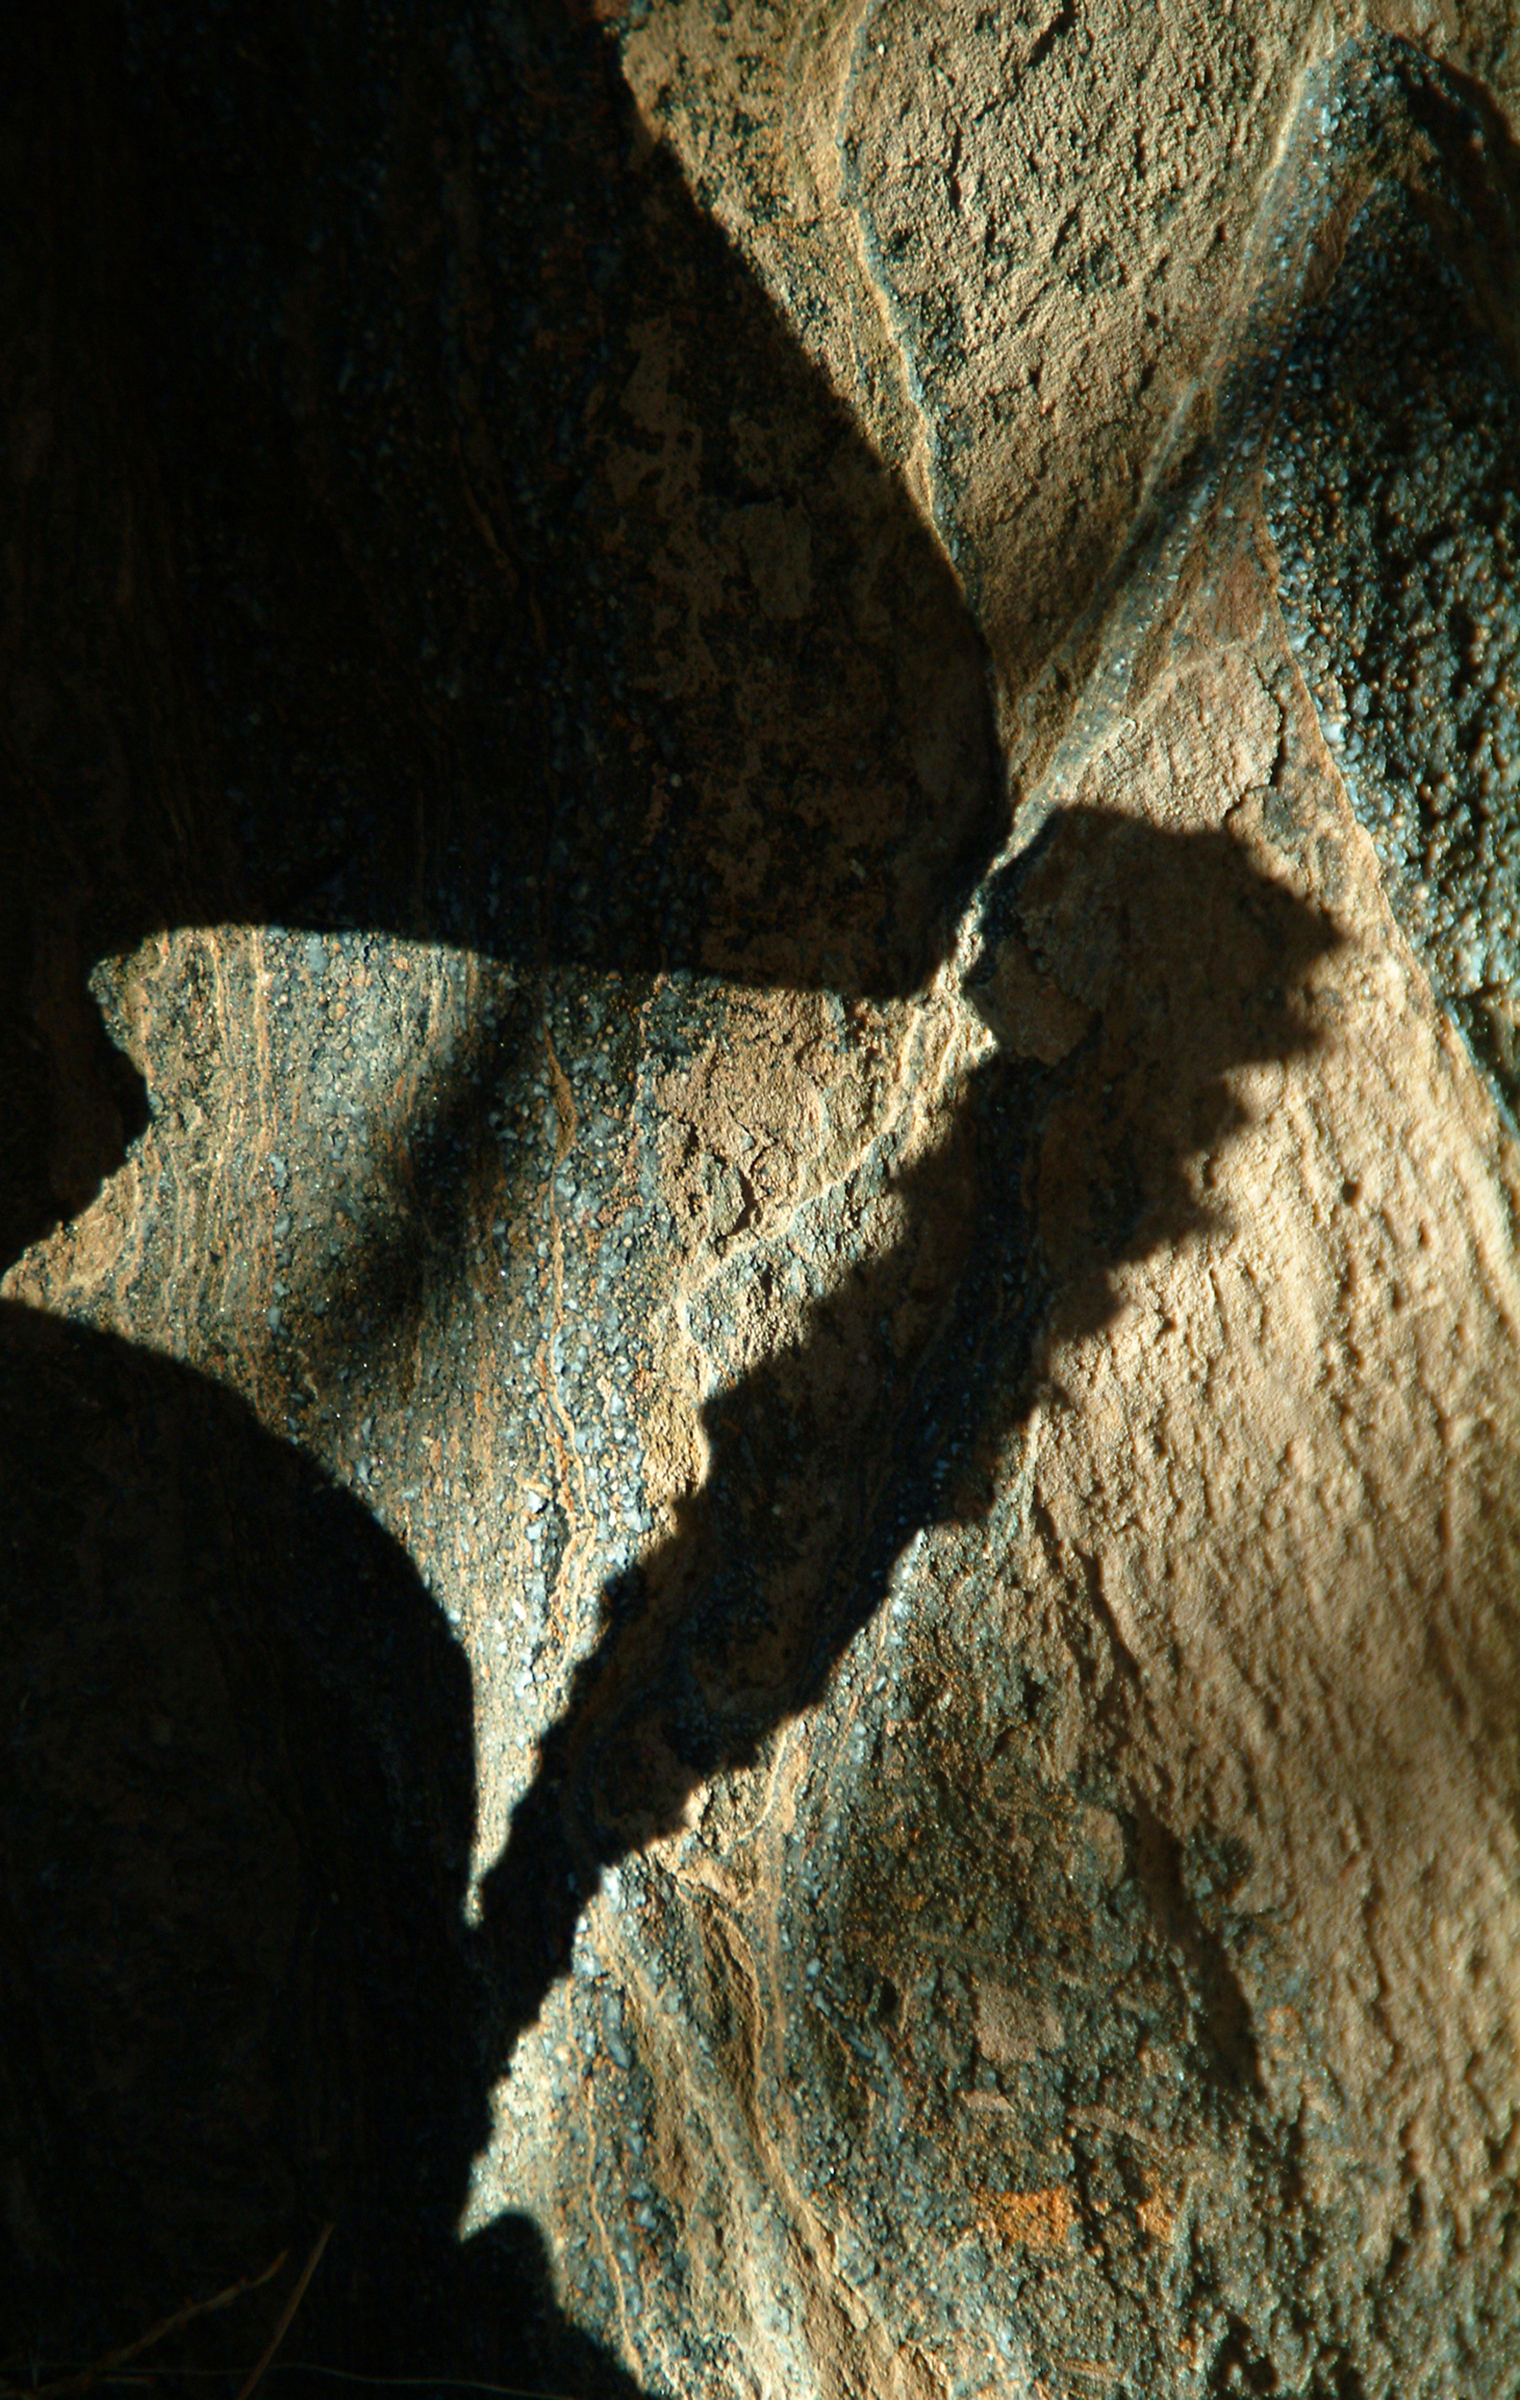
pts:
pixel 286 2313
pixel 87 2376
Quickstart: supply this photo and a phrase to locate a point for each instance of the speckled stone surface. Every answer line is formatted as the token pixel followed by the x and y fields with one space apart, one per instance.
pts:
pixel 1391 490
pixel 762 1478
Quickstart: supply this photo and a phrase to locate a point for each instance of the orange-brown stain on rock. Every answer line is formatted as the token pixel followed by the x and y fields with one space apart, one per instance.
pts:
pixel 1157 2215
pixel 1039 2220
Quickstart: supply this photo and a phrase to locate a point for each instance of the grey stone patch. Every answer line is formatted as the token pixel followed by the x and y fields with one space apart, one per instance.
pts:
pixel 1392 490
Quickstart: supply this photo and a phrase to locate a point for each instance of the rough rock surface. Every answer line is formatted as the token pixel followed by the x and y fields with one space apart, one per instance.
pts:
pixel 772 1545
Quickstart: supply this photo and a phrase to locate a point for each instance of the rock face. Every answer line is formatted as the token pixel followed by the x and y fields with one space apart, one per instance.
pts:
pixel 762 1601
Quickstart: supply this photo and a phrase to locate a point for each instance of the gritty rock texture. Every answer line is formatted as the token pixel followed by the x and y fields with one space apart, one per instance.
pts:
pixel 759 1380
pixel 1021 274
pixel 1392 500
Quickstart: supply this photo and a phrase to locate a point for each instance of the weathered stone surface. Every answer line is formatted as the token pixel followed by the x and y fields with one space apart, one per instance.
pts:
pixel 770 1028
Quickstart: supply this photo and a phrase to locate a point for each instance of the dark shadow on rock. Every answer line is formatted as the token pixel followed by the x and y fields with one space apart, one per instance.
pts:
pixel 1145 967
pixel 237 1998
pixel 419 523
pixel 422 523
pixel 239 1782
